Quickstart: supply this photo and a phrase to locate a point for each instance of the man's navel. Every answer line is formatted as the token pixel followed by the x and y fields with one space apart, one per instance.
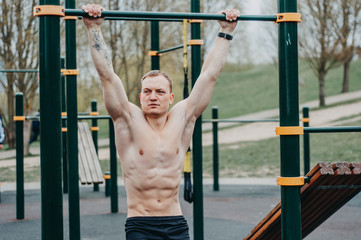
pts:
pixel 141 152
pixel 177 150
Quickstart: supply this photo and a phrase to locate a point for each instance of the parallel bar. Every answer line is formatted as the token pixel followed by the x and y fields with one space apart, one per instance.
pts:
pixel 171 15
pixel 289 116
pixel 332 129
pixel 113 169
pixel 95 136
pixel 215 150
pixel 154 44
pixel 238 120
pixel 19 70
pixel 19 127
pixel 50 125
pixel 171 49
pixel 198 215
pixel 71 87
pixel 306 142
pixel 64 137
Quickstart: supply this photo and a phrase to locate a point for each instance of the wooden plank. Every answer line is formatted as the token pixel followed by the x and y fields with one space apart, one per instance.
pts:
pixel 331 186
pixel 82 176
pixel 82 153
pixel 88 159
pixel 96 172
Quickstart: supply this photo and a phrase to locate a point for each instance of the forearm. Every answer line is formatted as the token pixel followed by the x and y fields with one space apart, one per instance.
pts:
pixel 100 53
pixel 217 56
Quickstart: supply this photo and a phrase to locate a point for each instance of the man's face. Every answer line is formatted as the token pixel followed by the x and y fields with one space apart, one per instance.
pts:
pixel 155 96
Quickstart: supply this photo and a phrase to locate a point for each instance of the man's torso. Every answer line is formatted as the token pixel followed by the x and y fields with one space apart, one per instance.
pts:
pixel 152 162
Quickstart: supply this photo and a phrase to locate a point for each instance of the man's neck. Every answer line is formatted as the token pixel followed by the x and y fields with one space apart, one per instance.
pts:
pixel 158 122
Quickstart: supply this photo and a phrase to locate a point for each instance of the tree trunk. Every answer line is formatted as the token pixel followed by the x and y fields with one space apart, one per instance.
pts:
pixel 321 79
pixel 346 77
pixel 10 127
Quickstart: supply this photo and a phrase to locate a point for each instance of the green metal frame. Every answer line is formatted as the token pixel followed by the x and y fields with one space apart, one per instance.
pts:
pixel 49 31
pixel 50 125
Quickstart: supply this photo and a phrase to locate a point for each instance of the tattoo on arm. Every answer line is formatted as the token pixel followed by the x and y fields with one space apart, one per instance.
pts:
pixel 100 46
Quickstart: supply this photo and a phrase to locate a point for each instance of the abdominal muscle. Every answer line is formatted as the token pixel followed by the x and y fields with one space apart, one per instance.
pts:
pixel 150 195
pixel 152 184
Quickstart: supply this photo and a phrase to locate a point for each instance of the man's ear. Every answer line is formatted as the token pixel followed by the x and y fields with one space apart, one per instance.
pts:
pixel 171 98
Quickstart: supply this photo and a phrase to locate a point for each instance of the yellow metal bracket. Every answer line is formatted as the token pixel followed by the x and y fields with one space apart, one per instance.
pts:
pixel 154 53
pixel 70 71
pixel 94 128
pixel 195 20
pixel 64 129
pixel 64 114
pixel 288 17
pixel 94 113
pixel 305 120
pixel 19 118
pixel 53 10
pixel 195 42
pixel 289 130
pixel 291 181
pixel 70 18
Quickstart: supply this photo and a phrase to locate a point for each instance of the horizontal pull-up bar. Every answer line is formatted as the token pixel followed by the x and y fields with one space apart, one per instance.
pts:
pixel 137 19
pixel 170 15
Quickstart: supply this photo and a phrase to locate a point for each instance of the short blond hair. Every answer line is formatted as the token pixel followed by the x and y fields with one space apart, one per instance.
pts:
pixel 155 73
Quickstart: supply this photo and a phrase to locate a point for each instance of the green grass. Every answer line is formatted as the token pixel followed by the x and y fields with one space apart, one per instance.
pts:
pixel 262 158
pixel 256 89
pixel 251 90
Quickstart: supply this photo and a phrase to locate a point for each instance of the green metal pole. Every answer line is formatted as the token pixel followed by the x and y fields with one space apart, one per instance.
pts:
pixel 215 149
pixel 306 142
pixel 50 126
pixel 72 121
pixel 95 136
pixel 154 44
pixel 63 124
pixel 197 135
pixel 19 125
pixel 289 116
pixel 113 170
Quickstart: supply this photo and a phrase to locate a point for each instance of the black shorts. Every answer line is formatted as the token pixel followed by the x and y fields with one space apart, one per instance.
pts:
pixel 157 228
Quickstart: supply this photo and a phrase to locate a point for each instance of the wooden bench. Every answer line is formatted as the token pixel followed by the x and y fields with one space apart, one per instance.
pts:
pixel 89 167
pixel 331 186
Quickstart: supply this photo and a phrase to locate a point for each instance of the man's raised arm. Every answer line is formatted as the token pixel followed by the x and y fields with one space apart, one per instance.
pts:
pixel 115 97
pixel 201 93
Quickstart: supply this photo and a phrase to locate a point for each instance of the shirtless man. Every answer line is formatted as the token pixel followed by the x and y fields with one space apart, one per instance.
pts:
pixel 152 142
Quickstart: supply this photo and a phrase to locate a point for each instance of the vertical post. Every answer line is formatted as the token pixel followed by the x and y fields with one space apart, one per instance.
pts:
pixel 197 135
pixel 154 38
pixel 215 149
pixel 95 135
pixel 72 121
pixel 63 124
pixel 19 125
pixel 113 169
pixel 306 141
pixel 50 126
pixel 289 116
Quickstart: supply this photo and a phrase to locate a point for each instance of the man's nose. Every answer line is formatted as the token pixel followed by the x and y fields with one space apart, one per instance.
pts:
pixel 153 95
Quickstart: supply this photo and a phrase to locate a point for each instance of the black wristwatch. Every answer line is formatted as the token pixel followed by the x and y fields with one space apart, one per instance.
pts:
pixel 225 36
